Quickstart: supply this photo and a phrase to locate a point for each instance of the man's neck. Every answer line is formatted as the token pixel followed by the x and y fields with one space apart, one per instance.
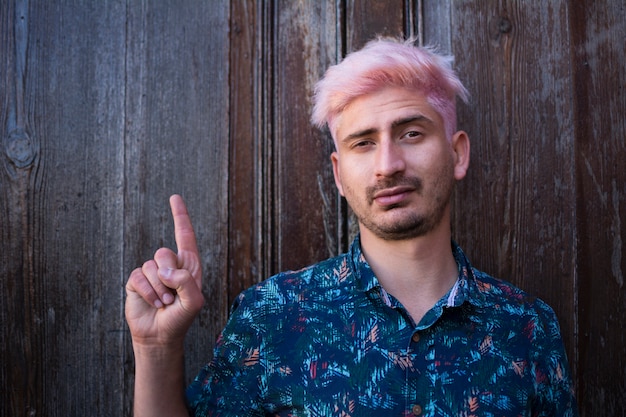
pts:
pixel 418 271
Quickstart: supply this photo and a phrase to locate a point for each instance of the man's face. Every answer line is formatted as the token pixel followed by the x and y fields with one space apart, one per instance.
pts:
pixel 394 164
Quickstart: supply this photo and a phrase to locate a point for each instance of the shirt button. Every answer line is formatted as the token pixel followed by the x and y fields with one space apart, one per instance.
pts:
pixel 417 410
pixel 415 337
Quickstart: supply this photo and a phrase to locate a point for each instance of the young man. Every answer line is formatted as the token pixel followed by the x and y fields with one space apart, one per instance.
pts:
pixel 400 325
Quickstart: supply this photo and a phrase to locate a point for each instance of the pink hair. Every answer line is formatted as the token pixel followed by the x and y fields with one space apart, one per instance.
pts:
pixel 385 62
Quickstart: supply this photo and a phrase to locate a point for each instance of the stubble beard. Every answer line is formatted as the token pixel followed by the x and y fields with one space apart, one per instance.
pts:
pixel 411 224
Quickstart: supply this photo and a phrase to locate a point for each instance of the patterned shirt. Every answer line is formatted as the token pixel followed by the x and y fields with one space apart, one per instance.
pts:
pixel 329 341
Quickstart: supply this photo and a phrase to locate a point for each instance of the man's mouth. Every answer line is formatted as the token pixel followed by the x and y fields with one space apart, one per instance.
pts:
pixel 393 192
pixel 392 196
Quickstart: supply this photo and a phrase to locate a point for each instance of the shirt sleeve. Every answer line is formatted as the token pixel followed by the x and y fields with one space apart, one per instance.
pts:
pixel 553 383
pixel 229 385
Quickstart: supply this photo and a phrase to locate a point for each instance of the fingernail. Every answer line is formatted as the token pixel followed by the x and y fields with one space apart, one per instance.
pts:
pixel 168 298
pixel 166 272
pixel 158 304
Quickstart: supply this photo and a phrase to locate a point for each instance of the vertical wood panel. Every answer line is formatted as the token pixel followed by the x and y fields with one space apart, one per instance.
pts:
pixel 436 27
pixel 599 65
pixel 366 19
pixel 63 273
pixel 177 142
pixel 514 213
pixel 245 214
pixel 306 201
pixel 21 336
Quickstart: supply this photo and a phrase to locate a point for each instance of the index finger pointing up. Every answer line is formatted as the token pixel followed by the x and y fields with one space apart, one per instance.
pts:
pixel 183 230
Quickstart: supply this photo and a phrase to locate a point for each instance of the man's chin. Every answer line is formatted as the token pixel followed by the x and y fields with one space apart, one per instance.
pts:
pixel 399 231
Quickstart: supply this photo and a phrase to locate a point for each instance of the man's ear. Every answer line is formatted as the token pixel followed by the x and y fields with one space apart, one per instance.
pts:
pixel 461 149
pixel 334 157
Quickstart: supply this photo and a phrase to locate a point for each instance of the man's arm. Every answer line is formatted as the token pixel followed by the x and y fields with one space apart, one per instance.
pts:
pixel 163 297
pixel 159 382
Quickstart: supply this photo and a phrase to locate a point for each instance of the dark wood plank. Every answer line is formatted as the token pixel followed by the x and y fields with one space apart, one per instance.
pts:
pixel 515 211
pixel 19 336
pixel 366 19
pixel 305 209
pixel 62 183
pixel 177 142
pixel 245 241
pixel 436 29
pixel 598 62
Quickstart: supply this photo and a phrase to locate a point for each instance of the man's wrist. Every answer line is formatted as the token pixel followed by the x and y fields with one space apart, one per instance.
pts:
pixel 168 353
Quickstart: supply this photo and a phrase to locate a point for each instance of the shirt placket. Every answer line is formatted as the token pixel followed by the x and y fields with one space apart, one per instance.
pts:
pixel 418 401
pixel 417 381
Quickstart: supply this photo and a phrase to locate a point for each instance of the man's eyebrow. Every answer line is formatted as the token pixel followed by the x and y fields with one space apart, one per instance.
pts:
pixel 411 119
pixel 394 124
pixel 359 134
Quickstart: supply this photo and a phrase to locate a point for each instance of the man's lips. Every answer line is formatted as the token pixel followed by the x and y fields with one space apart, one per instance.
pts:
pixel 391 196
pixel 393 191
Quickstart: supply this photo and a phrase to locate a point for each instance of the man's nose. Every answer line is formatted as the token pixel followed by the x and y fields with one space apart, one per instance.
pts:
pixel 389 159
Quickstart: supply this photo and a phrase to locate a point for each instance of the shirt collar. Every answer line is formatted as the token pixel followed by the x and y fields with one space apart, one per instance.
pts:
pixel 365 278
pixel 466 288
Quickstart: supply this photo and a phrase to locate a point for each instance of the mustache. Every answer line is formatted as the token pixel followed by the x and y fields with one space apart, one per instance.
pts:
pixel 383 184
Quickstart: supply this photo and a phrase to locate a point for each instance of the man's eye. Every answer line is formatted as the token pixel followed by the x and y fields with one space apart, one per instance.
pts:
pixel 413 134
pixel 361 143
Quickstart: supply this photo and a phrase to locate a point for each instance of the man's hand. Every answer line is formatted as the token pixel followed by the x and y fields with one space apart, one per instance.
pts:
pixel 162 299
pixel 164 296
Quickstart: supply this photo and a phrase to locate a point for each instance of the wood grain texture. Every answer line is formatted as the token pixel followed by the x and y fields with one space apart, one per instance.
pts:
pixel 598 63
pixel 63 187
pixel 436 25
pixel 107 113
pixel 366 19
pixel 245 213
pixel 305 202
